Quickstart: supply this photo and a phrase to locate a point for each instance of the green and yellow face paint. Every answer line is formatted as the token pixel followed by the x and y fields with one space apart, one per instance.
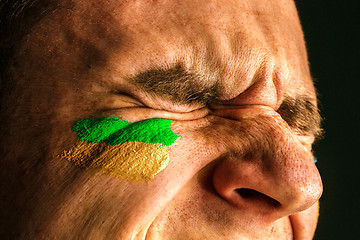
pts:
pixel 131 151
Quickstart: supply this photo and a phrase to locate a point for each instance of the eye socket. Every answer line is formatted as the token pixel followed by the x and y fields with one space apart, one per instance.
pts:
pixel 120 99
pixel 135 114
pixel 307 141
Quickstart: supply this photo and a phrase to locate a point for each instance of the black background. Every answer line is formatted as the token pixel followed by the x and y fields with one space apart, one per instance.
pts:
pixel 332 34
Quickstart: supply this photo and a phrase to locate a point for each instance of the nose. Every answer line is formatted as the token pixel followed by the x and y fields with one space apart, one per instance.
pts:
pixel 267 170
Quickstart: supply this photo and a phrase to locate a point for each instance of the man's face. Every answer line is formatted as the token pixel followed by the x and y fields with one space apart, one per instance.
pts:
pixel 233 78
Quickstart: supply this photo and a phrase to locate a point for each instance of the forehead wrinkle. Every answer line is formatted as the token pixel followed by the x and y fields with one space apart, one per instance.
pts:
pixel 215 55
pixel 205 45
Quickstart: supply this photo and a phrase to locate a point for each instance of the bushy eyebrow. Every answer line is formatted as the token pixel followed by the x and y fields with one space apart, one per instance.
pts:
pixel 177 84
pixel 182 86
pixel 302 115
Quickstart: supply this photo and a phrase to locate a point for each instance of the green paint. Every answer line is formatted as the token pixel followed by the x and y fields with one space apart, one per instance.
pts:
pixel 115 131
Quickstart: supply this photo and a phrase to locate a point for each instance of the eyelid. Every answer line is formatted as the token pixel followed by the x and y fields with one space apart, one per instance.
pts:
pixel 303 130
pixel 135 114
pixel 300 130
pixel 119 100
pixel 234 112
pixel 307 140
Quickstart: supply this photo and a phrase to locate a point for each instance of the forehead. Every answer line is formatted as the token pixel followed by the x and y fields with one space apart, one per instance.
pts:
pixel 225 41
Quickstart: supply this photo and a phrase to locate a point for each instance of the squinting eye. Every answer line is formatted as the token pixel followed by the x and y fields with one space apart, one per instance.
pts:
pixel 119 100
pixel 135 114
pixel 306 140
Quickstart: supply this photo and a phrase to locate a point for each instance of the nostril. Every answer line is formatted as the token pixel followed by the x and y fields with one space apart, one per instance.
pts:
pixel 256 196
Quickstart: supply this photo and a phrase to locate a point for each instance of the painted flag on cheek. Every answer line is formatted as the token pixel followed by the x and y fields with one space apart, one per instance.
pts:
pixel 131 151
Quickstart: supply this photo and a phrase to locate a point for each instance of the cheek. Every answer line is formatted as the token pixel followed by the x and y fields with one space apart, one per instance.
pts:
pixel 132 161
pixel 132 152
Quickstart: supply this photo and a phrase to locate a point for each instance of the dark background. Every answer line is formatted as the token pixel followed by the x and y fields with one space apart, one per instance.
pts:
pixel 332 33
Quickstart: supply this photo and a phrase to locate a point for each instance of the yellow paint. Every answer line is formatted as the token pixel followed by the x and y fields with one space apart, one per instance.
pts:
pixel 132 161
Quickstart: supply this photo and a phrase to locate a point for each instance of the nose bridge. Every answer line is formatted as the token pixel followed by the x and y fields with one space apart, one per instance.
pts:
pixel 269 162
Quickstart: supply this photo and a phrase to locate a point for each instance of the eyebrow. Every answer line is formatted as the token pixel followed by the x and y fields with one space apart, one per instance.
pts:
pixel 177 84
pixel 182 86
pixel 302 115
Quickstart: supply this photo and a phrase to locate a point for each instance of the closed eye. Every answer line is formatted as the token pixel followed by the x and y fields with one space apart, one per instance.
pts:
pixel 135 114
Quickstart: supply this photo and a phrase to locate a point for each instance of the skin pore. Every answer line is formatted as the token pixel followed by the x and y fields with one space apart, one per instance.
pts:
pixel 243 168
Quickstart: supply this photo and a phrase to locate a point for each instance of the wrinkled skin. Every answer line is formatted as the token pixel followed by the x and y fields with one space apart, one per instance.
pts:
pixel 74 64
